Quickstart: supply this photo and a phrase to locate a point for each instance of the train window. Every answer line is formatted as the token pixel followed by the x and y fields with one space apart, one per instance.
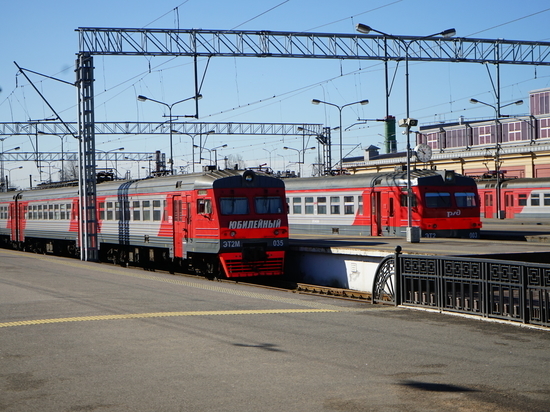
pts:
pixel 465 199
pixel 146 209
pixel 234 205
pixel 68 214
pixel 297 205
pixel 177 211
pixel 335 205
pixel 40 212
pixel 110 212
pixel 321 205
pixel 204 206
pixel 137 210
pixel 535 199
pixel 62 211
pixel 34 212
pixel 522 200
pixel 268 204
pixel 308 206
pixel 547 199
pixel 157 212
pixel 117 211
pixel 164 211
pixel 403 200
pixel 50 212
pixel 349 206
pixel 439 199
pixel 56 212
pixel 360 205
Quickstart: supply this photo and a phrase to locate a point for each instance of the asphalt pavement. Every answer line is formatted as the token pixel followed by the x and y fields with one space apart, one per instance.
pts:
pixel 80 336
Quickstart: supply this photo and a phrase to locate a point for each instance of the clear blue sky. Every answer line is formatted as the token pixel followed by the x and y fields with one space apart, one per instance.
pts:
pixel 41 36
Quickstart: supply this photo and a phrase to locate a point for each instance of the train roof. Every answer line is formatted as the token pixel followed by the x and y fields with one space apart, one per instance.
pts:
pixel 527 182
pixel 204 180
pixel 399 178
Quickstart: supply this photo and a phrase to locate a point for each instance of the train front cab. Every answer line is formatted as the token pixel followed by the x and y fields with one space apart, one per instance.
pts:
pixel 238 227
pixel 449 209
pixel 254 226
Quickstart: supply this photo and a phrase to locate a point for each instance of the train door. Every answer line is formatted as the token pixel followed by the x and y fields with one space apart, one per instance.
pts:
pixel 17 216
pixel 391 217
pixel 376 216
pixel 181 221
pixel 509 204
pixel 13 222
pixel 488 205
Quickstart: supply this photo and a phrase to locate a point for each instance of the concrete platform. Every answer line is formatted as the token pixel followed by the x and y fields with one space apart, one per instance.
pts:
pixel 351 262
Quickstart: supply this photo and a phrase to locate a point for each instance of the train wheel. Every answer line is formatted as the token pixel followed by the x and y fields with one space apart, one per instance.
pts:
pixel 383 289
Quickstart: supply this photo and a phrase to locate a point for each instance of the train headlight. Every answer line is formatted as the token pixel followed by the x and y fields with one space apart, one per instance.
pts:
pixel 232 233
pixel 276 232
pixel 434 226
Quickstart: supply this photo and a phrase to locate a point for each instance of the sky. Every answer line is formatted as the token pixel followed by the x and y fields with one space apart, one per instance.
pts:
pixel 40 36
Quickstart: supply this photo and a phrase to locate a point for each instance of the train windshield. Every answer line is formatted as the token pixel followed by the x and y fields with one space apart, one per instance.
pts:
pixel 268 204
pixel 439 199
pixel 234 205
pixel 465 199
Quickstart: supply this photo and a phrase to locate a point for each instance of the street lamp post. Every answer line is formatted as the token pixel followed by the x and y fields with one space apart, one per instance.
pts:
pixel 9 176
pixel 498 138
pixel 215 150
pixel 142 98
pixel 192 136
pixel 362 102
pixel 62 152
pixel 300 163
pixel 106 159
pixel 2 164
pixel 413 234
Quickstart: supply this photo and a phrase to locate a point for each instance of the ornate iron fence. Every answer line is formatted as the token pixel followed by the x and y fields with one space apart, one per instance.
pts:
pixel 503 289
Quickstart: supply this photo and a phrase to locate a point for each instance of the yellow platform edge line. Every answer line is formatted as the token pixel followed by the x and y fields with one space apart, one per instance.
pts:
pixel 161 315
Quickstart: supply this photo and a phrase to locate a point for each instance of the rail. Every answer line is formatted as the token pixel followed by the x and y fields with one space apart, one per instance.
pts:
pixel 498 289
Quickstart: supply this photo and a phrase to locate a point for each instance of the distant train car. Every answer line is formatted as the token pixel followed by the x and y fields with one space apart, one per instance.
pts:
pixel 229 223
pixel 526 198
pixel 444 204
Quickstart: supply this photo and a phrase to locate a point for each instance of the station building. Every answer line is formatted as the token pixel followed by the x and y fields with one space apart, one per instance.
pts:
pixel 514 146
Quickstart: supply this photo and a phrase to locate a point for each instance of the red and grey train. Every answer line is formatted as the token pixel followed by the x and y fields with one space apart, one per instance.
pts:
pixel 444 204
pixel 522 198
pixel 229 223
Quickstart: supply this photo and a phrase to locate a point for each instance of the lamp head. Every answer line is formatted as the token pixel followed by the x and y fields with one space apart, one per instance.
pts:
pixel 141 98
pixel 315 101
pixel 284 147
pixel 519 102
pixel 198 97
pixel 448 33
pixel 363 28
pixel 474 101
pixel 363 102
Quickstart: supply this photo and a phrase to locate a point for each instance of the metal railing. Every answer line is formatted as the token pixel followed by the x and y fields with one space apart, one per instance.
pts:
pixel 501 289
